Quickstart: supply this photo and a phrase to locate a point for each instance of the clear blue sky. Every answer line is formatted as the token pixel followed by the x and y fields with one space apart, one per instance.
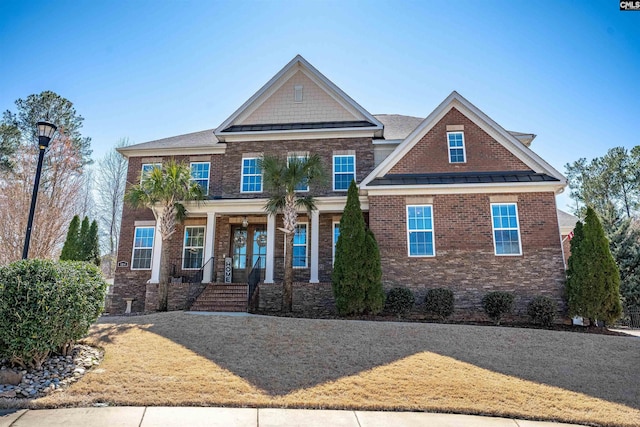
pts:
pixel 568 71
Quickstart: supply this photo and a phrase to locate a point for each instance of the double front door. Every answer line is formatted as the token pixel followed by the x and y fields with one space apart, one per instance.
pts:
pixel 248 248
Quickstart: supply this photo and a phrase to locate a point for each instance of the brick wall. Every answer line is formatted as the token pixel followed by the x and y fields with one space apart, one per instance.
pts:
pixel 483 153
pixel 465 260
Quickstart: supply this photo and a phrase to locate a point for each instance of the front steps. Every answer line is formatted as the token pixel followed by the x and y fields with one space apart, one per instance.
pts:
pixel 222 297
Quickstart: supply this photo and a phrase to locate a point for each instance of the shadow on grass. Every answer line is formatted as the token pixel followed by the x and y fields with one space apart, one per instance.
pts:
pixel 281 355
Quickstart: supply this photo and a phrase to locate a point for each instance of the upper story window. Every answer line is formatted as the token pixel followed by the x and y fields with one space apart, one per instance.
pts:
pixel 193 248
pixel 251 181
pixel 142 248
pixel 420 230
pixel 344 171
pixel 304 185
pixel 506 229
pixel 200 174
pixel 457 153
pixel 146 168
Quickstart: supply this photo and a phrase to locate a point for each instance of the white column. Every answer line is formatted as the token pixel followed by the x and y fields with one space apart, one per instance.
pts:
pixel 271 247
pixel 157 252
pixel 209 247
pixel 315 238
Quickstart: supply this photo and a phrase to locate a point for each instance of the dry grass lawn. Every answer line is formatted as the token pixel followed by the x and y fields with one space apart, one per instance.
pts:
pixel 186 359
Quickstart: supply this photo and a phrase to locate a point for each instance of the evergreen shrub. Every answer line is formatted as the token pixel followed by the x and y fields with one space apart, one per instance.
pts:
pixel 542 310
pixel 45 306
pixel 400 301
pixel 439 302
pixel 496 304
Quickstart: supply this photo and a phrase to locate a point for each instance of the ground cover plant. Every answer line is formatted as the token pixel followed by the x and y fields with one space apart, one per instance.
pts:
pixel 184 359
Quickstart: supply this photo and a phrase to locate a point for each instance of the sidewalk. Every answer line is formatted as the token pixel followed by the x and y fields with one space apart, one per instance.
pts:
pixel 127 416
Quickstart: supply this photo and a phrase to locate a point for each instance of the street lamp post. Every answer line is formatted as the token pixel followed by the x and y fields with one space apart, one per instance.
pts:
pixel 45 133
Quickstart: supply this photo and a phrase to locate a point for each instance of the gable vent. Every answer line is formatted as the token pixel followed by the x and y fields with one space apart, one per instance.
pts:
pixel 297 93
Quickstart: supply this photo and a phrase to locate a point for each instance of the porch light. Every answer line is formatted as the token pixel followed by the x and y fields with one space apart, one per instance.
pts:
pixel 245 222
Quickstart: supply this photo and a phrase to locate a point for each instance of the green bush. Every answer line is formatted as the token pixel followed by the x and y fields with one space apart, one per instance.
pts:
pixel 439 302
pixel 496 304
pixel 542 310
pixel 400 301
pixel 45 306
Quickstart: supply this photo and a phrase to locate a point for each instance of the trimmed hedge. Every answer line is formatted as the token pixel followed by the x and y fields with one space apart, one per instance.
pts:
pixel 400 301
pixel 439 302
pixel 496 304
pixel 45 306
pixel 542 310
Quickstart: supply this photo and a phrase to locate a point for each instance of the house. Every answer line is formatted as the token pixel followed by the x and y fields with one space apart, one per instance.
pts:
pixel 454 200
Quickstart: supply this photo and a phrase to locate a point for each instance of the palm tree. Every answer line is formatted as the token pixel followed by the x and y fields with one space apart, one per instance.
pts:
pixel 165 189
pixel 282 177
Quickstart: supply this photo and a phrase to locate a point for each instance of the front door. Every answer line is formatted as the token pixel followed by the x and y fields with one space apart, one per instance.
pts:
pixel 248 245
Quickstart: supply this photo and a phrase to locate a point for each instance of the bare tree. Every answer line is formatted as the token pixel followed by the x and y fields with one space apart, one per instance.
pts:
pixel 109 184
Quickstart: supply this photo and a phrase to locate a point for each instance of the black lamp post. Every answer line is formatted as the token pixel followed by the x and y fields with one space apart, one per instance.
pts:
pixel 45 133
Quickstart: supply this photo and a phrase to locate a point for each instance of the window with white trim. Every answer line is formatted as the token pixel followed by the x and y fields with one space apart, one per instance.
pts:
pixel 420 230
pixel 142 248
pixel 146 168
pixel 336 234
pixel 300 246
pixel 193 248
pixel 455 141
pixel 200 174
pixel 304 185
pixel 344 171
pixel 506 229
pixel 251 181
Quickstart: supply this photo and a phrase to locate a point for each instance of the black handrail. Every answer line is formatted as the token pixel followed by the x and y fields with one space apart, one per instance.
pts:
pixel 196 287
pixel 254 279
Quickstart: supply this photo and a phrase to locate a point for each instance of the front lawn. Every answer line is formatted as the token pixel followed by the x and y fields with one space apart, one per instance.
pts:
pixel 184 359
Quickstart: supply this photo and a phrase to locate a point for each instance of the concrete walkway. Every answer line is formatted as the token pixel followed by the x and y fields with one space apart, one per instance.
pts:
pixel 127 416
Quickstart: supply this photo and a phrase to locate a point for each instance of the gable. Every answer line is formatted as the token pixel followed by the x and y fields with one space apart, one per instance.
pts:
pixel 281 107
pixel 483 153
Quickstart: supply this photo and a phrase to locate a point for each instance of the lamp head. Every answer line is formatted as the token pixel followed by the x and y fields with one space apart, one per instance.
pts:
pixel 45 133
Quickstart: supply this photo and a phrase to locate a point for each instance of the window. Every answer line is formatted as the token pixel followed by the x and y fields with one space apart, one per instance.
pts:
pixel 300 246
pixel 506 232
pixel 420 230
pixel 344 171
pixel 304 185
pixel 193 249
pixel 336 234
pixel 146 168
pixel 297 93
pixel 251 176
pixel 456 147
pixel 200 174
pixel 142 248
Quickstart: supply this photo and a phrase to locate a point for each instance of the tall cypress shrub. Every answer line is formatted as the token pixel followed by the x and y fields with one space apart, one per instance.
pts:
pixel 84 240
pixel 70 248
pixel 94 244
pixel 593 279
pixel 357 274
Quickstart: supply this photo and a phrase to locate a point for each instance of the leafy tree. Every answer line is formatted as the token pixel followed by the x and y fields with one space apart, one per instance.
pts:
pixel 164 190
pixel 593 280
pixel 624 242
pixel 281 178
pixel 71 250
pixel 9 142
pixel 357 274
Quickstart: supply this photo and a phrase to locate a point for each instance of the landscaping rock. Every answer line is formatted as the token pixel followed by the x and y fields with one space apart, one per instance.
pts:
pixel 56 373
pixel 9 376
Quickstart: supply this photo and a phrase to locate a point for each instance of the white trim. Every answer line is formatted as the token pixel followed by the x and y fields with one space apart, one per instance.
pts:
pixel 298 63
pixel 455 100
pixel 256 206
pixel 315 246
pixel 522 187
pixel 204 245
pixel 433 233
pixel 153 166
pixel 133 248
pixel 278 135
pixel 209 250
pixel 242 175
pixel 333 167
pixel 157 253
pixel 464 148
pixel 159 152
pixel 493 229
pixel 208 174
